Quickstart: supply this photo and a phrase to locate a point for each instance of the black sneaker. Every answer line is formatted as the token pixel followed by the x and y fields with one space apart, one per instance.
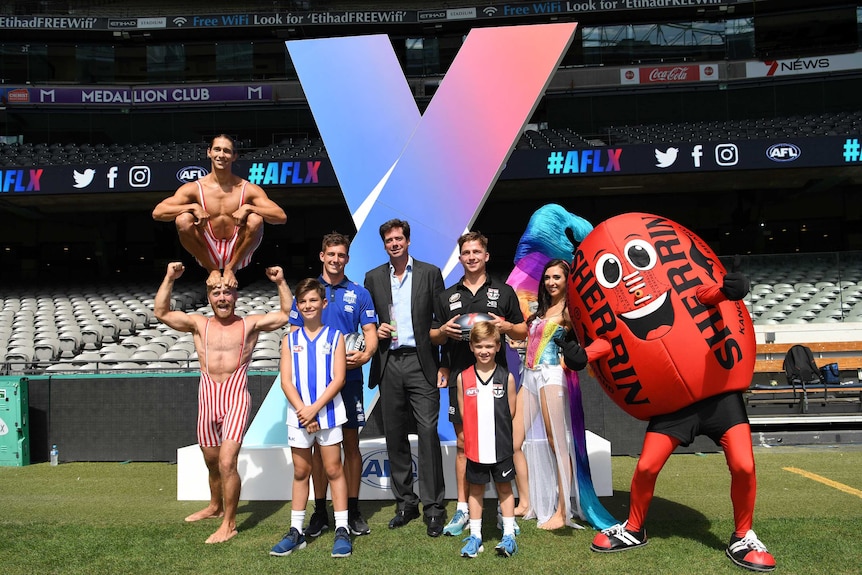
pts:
pixel 618 538
pixel 318 523
pixel 748 552
pixel 357 524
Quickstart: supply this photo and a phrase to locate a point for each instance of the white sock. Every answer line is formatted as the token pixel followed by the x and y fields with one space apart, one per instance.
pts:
pixel 476 528
pixel 341 519
pixel 509 526
pixel 297 519
pixel 462 506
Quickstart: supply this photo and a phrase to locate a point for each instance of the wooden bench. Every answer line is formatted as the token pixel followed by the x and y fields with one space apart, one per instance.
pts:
pixel 831 398
pixel 847 354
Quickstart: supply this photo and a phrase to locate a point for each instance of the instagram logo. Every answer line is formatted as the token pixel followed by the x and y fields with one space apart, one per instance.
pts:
pixel 726 154
pixel 139 176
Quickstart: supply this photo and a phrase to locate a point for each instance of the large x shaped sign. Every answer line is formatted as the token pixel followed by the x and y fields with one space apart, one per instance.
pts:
pixel 434 170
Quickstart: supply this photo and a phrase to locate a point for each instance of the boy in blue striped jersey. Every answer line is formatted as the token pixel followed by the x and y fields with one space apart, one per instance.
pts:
pixel 313 367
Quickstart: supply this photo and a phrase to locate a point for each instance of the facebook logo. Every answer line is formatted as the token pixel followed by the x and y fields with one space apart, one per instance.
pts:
pixel 696 155
pixel 112 177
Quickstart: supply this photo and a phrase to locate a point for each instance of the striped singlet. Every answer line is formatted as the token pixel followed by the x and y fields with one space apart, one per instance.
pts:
pixel 312 364
pixel 223 408
pixel 222 251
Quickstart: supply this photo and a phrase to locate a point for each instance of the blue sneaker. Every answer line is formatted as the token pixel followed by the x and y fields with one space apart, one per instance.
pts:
pixel 457 524
pixel 342 547
pixel 293 541
pixel 507 546
pixel 472 548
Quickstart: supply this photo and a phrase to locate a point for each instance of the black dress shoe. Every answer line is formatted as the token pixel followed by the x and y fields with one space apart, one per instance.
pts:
pixel 435 525
pixel 403 517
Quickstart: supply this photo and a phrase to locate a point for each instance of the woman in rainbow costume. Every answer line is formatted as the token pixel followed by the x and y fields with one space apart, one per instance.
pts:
pixel 549 421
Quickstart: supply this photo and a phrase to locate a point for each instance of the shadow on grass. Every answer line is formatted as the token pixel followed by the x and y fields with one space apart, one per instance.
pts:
pixel 381 510
pixel 258 511
pixel 668 518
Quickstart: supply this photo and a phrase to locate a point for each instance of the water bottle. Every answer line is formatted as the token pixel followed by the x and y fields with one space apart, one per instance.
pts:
pixel 55 456
pixel 394 325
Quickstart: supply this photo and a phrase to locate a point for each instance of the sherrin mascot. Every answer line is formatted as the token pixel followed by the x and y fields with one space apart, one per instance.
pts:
pixel 668 338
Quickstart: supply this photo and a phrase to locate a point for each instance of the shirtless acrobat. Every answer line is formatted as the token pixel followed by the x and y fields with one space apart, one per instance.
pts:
pixel 220 217
pixel 224 344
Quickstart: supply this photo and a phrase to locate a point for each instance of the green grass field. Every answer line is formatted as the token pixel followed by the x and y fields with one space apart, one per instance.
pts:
pixel 106 518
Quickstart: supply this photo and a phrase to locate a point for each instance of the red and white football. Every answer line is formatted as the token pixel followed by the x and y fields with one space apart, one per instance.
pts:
pixel 467 320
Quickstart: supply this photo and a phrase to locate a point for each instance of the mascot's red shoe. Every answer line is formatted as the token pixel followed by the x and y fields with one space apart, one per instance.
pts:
pixel 750 553
pixel 618 538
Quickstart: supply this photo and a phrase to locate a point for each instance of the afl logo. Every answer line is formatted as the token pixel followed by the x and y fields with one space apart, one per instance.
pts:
pixel 376 471
pixel 191 173
pixel 783 152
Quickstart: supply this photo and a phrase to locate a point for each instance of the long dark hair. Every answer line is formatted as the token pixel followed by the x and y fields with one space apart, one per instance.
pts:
pixel 544 298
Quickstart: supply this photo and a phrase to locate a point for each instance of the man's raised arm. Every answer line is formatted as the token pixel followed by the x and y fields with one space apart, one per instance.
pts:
pixel 276 319
pixel 178 320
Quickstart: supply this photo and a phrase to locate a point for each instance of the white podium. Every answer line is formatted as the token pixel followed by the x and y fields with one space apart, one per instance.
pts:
pixel 267 472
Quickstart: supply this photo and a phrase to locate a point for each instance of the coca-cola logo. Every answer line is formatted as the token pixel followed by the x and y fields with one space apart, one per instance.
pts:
pixel 708 71
pixel 675 74
pixel 630 75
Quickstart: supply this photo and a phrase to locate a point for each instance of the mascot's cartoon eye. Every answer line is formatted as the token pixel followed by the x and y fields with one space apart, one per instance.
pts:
pixel 609 271
pixel 640 254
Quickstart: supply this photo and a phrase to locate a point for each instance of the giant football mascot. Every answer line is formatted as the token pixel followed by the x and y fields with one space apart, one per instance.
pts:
pixel 667 337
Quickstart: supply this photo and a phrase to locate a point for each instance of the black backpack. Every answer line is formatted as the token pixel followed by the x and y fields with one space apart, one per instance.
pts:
pixel 800 368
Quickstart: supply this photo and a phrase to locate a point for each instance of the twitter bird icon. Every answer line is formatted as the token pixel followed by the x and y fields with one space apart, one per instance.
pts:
pixel 666 159
pixel 85 179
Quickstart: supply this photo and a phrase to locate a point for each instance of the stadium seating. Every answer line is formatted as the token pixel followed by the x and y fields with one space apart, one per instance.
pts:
pixel 41 331
pixel 806 289
pixel 826 124
pixel 113 328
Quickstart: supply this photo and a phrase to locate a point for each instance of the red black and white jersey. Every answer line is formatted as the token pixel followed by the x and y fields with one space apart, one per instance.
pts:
pixel 486 416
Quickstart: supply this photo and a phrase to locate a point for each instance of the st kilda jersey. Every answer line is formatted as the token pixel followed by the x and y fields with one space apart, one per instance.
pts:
pixel 486 416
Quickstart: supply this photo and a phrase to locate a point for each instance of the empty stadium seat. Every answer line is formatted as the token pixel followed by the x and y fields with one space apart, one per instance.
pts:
pixel 46 350
pixel 145 355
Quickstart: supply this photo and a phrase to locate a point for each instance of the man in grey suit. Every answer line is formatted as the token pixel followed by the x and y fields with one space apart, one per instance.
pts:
pixel 406 367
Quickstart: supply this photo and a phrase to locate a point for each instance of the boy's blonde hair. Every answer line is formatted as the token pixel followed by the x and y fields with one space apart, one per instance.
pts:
pixel 484 330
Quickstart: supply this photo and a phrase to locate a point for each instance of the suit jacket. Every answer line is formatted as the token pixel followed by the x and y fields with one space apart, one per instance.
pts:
pixel 427 286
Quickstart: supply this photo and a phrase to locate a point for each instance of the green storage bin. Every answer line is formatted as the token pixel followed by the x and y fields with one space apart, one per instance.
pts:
pixel 14 427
